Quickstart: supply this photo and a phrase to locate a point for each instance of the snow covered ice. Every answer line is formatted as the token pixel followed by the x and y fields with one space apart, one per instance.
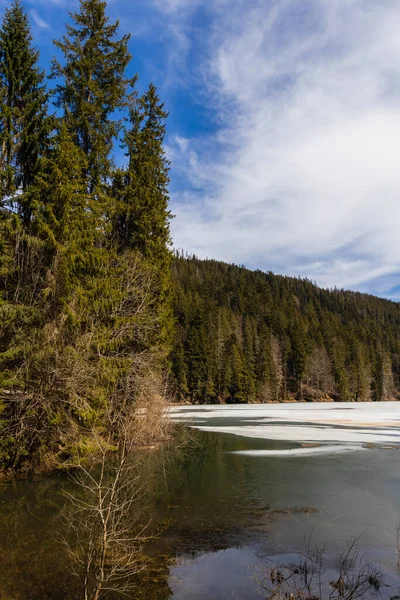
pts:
pixel 334 427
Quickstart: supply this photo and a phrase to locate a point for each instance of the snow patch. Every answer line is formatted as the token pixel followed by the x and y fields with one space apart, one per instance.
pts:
pixel 299 451
pixel 344 423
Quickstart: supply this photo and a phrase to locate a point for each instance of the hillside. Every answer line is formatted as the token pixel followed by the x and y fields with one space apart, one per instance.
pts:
pixel 245 336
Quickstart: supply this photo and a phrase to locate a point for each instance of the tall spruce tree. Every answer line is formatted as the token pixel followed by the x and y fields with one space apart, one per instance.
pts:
pixel 93 86
pixel 24 125
pixel 67 220
pixel 36 301
pixel 142 220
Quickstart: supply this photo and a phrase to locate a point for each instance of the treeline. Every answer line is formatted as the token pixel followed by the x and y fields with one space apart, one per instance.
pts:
pixel 245 336
pixel 85 316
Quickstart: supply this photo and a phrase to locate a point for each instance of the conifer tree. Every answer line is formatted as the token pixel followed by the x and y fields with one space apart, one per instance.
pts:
pixel 24 124
pixel 142 220
pixel 67 220
pixel 88 339
pixel 142 217
pixel 93 85
pixel 37 301
pixel 83 320
pixel 238 373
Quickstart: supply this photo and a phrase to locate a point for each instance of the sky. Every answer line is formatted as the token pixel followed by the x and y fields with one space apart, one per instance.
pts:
pixel 284 128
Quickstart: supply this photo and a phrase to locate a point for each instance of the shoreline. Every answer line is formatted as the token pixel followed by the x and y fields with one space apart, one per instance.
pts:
pixel 280 402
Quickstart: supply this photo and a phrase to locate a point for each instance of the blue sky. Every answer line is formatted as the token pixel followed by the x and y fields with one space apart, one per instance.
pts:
pixel 284 128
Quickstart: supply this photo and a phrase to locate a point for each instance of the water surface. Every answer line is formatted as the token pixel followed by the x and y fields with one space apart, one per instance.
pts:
pixel 248 491
pixel 330 471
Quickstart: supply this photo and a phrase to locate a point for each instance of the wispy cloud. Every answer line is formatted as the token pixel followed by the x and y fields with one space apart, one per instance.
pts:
pixel 283 130
pixel 38 21
pixel 302 176
pixel 173 6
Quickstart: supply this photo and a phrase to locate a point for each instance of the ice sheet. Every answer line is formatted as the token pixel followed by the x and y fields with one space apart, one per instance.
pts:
pixel 323 449
pixel 338 423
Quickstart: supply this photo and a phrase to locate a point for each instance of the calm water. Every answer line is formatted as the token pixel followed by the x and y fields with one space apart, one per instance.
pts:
pixel 329 470
pixel 253 485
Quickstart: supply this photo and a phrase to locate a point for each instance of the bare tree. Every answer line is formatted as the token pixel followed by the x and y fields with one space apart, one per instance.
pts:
pixel 319 375
pixel 104 536
pixel 278 363
pixel 103 543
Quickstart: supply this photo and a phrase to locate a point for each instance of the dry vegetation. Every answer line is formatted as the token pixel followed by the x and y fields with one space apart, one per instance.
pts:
pixel 355 576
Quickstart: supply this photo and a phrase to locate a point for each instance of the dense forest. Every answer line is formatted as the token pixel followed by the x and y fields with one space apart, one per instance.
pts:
pixel 85 316
pixel 245 336
pixel 90 318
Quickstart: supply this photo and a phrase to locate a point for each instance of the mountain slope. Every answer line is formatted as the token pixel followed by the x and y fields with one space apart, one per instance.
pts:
pixel 246 336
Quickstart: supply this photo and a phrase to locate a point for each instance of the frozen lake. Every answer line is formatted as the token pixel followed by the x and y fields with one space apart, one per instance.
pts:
pixel 250 487
pixel 330 470
pixel 317 427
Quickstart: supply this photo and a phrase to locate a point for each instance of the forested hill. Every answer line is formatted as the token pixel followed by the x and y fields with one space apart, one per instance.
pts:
pixel 246 336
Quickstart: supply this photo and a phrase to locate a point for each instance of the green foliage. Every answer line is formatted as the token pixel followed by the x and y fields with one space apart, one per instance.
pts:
pixel 142 217
pixel 93 86
pixel 246 336
pixel 83 316
pixel 24 124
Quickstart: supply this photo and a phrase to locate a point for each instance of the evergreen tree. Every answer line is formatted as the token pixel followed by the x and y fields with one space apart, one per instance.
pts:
pixel 237 384
pixel 91 320
pixel 266 337
pixel 83 319
pixel 142 219
pixel 93 86
pixel 265 370
pixel 39 328
pixel 24 125
pixel 67 220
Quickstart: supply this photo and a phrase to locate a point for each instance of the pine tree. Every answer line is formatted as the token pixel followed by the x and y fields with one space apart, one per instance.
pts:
pixel 265 372
pixel 35 337
pixel 85 340
pixel 67 220
pixel 237 388
pixel 142 219
pixel 93 86
pixel 24 125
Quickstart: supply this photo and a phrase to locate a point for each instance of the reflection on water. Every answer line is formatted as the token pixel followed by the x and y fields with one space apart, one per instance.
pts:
pixel 270 505
pixel 30 560
pixel 220 508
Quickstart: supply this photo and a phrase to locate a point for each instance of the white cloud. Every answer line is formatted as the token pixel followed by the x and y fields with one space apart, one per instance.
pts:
pixel 308 179
pixel 174 6
pixel 38 21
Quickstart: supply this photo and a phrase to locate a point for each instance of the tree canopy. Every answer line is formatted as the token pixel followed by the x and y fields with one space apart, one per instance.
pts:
pixel 245 336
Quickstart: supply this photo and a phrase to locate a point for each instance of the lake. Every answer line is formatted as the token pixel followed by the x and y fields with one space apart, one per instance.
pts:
pixel 253 485
pixel 290 471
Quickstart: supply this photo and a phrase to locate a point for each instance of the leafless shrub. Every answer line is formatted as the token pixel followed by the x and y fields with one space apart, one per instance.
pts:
pixel 106 524
pixel 355 576
pixel 103 539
